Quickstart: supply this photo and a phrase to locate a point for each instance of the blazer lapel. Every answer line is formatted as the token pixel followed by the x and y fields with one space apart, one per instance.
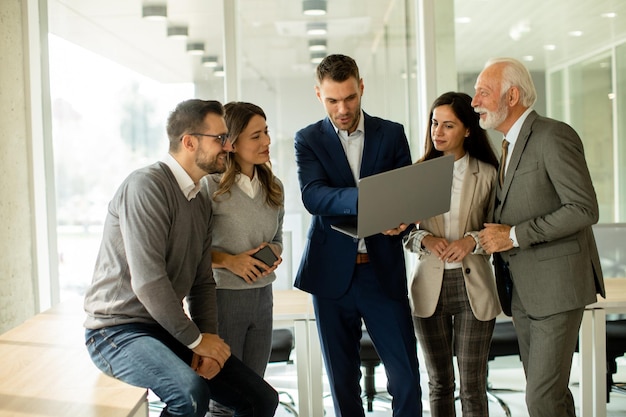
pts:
pixel 335 152
pixel 520 144
pixel 467 194
pixel 371 145
pixel 439 227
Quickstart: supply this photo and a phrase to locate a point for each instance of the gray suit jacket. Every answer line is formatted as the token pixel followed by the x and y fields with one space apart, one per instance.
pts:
pixel 548 195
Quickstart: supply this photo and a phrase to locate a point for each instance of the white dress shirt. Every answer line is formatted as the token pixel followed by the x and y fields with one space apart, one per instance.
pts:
pixel 353 147
pixel 249 186
pixel 451 222
pixel 189 188
pixel 511 136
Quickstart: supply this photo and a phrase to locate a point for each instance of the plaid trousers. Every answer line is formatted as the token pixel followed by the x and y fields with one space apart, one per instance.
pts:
pixel 453 330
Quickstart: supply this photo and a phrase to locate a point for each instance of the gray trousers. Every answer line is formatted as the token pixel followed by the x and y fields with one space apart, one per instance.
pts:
pixel 245 324
pixel 547 345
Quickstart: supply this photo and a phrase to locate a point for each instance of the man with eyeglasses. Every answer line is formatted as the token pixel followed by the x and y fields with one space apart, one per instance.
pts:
pixel 155 252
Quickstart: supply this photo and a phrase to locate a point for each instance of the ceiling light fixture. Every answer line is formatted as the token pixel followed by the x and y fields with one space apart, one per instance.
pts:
pixel 195 48
pixel 209 61
pixel 609 15
pixel 219 71
pixel 178 31
pixel 314 7
pixel 575 33
pixel 317 57
pixel 549 47
pixel 317 45
pixel 154 11
pixel 316 28
pixel 519 29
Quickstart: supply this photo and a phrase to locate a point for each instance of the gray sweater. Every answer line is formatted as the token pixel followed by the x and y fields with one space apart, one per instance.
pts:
pixel 155 251
pixel 241 223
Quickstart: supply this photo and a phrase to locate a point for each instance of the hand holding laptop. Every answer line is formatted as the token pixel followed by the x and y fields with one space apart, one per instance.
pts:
pixel 398 230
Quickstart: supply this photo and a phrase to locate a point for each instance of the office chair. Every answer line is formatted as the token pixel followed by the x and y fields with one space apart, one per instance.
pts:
pixel 615 348
pixel 369 361
pixel 612 250
pixel 282 345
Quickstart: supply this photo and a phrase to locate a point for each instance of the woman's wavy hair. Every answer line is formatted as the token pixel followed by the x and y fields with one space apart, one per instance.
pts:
pixel 237 115
pixel 476 144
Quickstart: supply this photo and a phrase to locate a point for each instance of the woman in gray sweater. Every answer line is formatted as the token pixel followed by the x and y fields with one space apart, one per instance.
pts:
pixel 248 209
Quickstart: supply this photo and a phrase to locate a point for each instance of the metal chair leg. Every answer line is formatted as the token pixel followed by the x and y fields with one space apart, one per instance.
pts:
pixel 505 407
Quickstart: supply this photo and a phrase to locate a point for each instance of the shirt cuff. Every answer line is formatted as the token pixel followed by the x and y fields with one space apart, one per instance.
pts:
pixel 513 237
pixel 474 236
pixel 414 240
pixel 195 343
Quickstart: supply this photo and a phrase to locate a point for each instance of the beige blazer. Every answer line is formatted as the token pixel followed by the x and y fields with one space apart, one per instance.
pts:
pixel 427 278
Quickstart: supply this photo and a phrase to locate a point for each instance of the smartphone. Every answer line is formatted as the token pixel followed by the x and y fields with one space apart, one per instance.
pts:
pixel 265 255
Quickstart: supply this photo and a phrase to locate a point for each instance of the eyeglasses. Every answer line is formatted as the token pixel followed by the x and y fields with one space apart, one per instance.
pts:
pixel 219 138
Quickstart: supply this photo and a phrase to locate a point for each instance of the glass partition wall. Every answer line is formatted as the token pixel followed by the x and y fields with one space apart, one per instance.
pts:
pixel 619 110
pixel 109 115
pixel 106 121
pixel 118 115
pixel 588 94
pixel 289 98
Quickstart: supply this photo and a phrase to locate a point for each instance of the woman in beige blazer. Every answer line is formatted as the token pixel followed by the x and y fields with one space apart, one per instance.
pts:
pixel 453 291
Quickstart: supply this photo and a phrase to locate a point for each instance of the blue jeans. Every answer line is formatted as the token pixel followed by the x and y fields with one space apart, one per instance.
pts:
pixel 146 355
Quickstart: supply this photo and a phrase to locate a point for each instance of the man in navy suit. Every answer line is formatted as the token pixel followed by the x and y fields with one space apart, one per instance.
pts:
pixel 354 280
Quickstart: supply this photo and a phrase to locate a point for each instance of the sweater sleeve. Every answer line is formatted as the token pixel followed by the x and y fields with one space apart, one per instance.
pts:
pixel 202 299
pixel 278 237
pixel 145 222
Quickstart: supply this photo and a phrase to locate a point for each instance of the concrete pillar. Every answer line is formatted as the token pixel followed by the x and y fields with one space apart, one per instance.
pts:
pixel 436 54
pixel 17 292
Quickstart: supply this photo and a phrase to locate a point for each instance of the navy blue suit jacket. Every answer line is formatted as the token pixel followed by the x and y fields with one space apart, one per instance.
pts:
pixel 330 193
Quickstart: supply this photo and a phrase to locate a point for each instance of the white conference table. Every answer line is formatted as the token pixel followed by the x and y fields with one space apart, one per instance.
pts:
pixel 592 347
pixel 295 308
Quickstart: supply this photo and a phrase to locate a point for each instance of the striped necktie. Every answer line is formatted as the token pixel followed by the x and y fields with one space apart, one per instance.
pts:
pixel 505 150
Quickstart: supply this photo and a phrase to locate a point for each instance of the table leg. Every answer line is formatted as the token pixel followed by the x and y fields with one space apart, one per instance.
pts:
pixel 585 351
pixel 599 357
pixel 592 352
pixel 303 364
pixel 317 389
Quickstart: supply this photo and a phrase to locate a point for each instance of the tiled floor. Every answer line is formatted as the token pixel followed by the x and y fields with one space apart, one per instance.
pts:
pixel 505 377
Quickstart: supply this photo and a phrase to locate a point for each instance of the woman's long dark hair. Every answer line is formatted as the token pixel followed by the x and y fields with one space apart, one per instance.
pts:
pixel 476 144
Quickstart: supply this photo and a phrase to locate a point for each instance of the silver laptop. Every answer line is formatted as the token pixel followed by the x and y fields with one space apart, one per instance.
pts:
pixel 403 195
